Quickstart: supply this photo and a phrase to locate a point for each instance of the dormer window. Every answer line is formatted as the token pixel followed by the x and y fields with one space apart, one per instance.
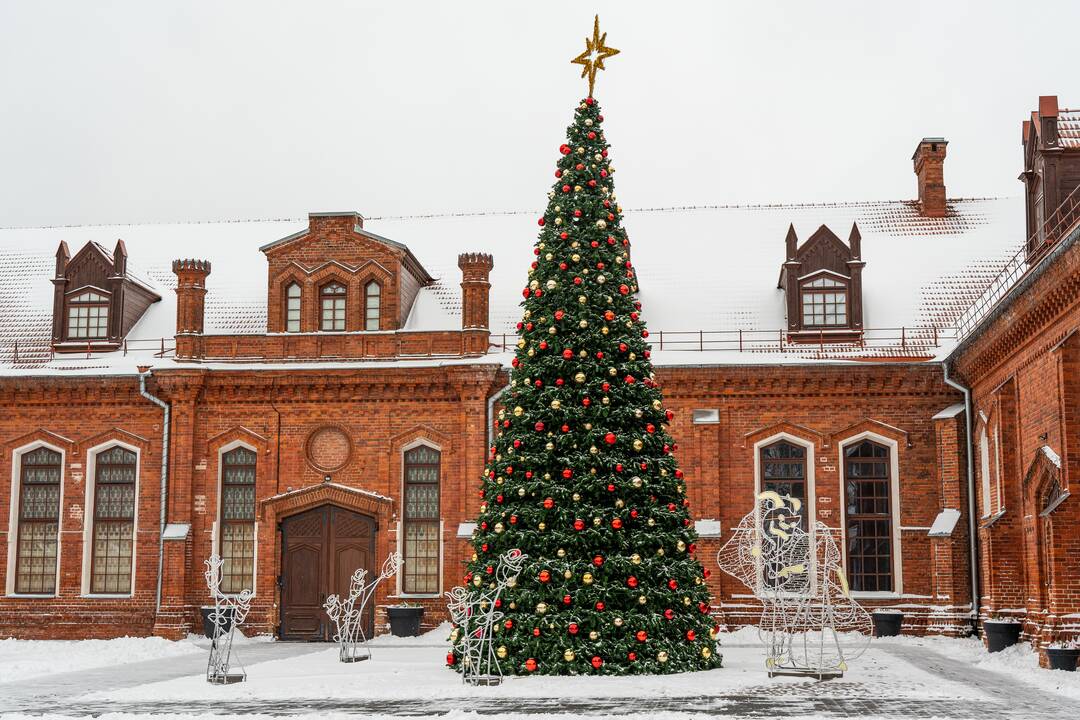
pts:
pixel 824 303
pixel 332 300
pixel 822 283
pixel 292 308
pixel 88 316
pixel 372 305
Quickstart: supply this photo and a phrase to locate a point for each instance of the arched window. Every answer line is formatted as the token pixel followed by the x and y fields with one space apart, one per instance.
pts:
pixel 372 305
pixel 88 316
pixel 39 521
pixel 237 534
pixel 984 470
pixel 114 521
pixel 783 471
pixel 824 303
pixel 292 308
pixel 868 497
pixel 332 300
pixel 421 521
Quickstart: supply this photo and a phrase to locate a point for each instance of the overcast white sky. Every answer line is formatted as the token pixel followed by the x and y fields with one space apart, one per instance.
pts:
pixel 163 111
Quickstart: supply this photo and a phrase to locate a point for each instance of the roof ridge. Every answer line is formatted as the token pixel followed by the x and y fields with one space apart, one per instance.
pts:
pixel 481 213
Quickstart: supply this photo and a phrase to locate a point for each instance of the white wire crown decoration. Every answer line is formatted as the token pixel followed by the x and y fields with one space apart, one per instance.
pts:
pixel 474 612
pixel 230 611
pixel 810 625
pixel 347 614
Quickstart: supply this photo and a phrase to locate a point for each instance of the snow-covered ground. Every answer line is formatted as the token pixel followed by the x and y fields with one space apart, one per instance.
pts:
pixel 307 681
pixel 25 659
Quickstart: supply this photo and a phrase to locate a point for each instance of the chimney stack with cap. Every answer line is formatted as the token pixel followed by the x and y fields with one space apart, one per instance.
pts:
pixel 929 163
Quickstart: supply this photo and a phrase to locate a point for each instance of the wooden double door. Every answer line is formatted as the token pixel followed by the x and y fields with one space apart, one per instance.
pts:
pixel 321 548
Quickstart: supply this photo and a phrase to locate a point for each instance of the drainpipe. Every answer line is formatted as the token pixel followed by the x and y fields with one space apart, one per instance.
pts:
pixel 491 409
pixel 976 594
pixel 143 374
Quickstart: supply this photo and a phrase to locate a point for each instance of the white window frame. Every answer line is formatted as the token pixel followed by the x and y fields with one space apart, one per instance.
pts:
pixel 400 529
pixel 215 537
pixel 13 519
pixel 89 516
pixel 810 503
pixel 984 471
pixel 894 507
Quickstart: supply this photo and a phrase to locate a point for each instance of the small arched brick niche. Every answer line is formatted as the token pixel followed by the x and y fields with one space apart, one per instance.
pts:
pixel 328 448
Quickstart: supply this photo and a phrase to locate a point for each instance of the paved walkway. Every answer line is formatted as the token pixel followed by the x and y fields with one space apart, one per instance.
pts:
pixel 1005 698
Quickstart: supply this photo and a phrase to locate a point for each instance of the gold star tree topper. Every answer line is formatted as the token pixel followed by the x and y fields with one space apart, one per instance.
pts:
pixel 596 51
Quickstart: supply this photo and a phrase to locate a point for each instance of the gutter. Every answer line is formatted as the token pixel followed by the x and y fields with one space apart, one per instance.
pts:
pixel 164 478
pixel 973 535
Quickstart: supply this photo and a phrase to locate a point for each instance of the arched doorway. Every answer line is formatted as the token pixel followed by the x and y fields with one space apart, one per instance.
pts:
pixel 320 550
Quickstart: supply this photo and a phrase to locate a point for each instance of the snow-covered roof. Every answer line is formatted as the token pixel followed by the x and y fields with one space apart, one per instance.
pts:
pixel 708 268
pixel 1069 128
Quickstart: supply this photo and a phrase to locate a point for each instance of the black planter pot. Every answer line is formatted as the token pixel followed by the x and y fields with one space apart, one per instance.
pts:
pixel 208 624
pixel 405 621
pixel 1000 635
pixel 1063 658
pixel 887 624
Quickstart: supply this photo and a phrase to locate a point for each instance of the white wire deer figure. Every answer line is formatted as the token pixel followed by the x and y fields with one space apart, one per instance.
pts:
pixel 475 613
pixel 799 578
pixel 229 613
pixel 348 614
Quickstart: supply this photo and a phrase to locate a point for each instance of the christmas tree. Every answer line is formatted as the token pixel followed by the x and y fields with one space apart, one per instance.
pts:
pixel 582 476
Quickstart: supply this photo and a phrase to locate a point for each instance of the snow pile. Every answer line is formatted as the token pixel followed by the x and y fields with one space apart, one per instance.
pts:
pixel 24 659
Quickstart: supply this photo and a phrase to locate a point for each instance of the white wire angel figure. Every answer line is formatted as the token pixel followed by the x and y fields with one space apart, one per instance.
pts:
pixel 799 578
pixel 229 613
pixel 348 614
pixel 475 612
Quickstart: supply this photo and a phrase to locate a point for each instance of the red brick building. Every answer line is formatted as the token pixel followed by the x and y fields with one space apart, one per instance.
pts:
pixel 304 400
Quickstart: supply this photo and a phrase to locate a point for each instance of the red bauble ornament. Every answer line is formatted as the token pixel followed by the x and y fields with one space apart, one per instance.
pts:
pixel 548 503
pixel 566 599
pixel 669 613
pixel 624 290
pixel 630 380
pixel 559 314
pixel 618 467
pixel 600 605
pixel 577 213
pixel 631 656
pixel 530 665
pixel 564 149
pixel 616 523
pixel 565 428
pixel 678 473
pixel 586 402
pixel 631 581
pixel 536 632
pixel 672 585
pixel 558 173
pixel 589 100
pixel 690 635
pixel 598 560
pixel 596 662
pixel 567 473
pixel 579 525
pixel 509 624
pixel 572 629
pixel 641 636
pixel 592 135
pixel 540 222
pixel 539 426
pixel 450 658
pixel 566 188
pixel 567 354
pixel 577 281
pixel 545 576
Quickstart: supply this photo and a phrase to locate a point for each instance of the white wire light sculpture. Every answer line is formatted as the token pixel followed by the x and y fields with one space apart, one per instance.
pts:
pixel 474 613
pixel 810 625
pixel 229 613
pixel 348 614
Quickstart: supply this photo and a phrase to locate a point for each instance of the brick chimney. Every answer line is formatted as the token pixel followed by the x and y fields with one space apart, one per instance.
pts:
pixel 929 163
pixel 475 289
pixel 190 295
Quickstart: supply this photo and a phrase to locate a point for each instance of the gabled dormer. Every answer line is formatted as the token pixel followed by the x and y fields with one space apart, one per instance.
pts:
pixel 96 301
pixel 336 277
pixel 822 283
pixel 1051 174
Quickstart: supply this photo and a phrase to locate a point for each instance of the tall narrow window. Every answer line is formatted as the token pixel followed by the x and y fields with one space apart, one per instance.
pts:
pixel 88 316
pixel 114 521
pixel 372 303
pixel 292 308
pixel 421 520
pixel 39 521
pixel 237 519
pixel 783 470
pixel 824 303
pixel 984 470
pixel 332 297
pixel 868 492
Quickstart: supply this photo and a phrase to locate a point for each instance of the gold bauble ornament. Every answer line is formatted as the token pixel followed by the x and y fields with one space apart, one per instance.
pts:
pixel 575 497
pixel 641 600
pixel 552 330
pixel 531 353
pixel 541 608
pixel 568 655
pixel 619 503
pixel 521 492
pixel 636 481
pixel 713 633
pixel 534 284
pixel 593 635
pixel 498 528
pixel 560 552
pixel 680 546
pixel 618 622
pixel 567 574
pixel 636 559
pixel 575 257
pixel 612 371
pixel 555 404
pixel 474 557
pixel 501 651
pixel 638 445
pixel 582 299
pixel 601 224
pixel 579 378
pixel 542 527
pixel 686 601
pixel 549 257
pixel 587 578
pixel 662 656
pixel 633 356
pixel 551 284
pixel 706 652
pixel 476 580
pixel 604 330
pixel 596 522
pixel 656 404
